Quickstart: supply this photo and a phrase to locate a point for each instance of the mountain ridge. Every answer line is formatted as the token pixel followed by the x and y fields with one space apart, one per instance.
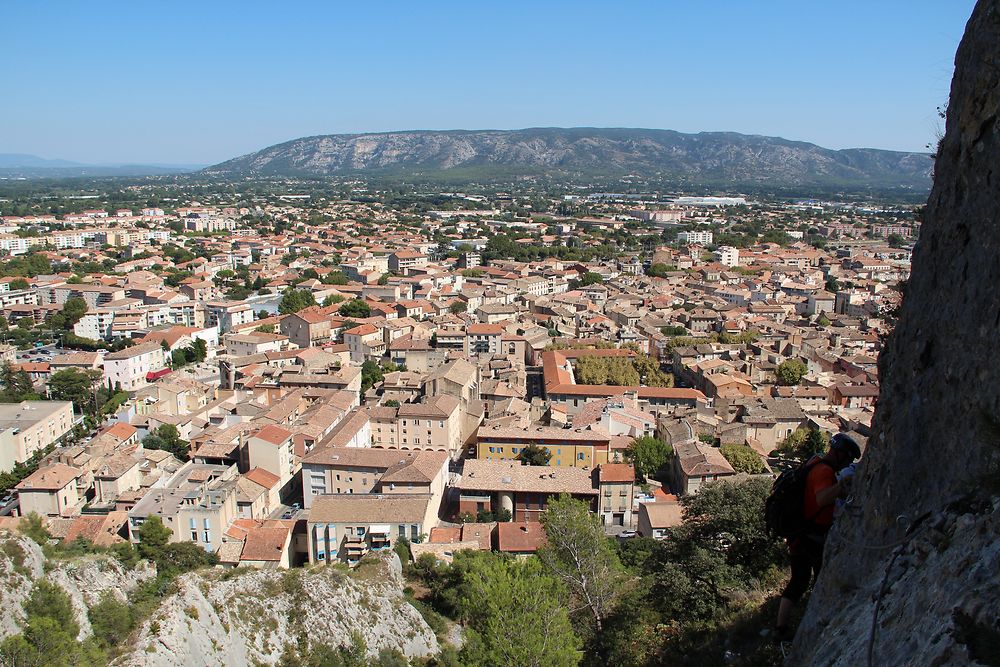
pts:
pixel 665 154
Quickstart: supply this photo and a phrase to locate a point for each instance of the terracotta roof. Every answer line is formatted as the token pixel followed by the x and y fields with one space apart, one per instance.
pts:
pixel 273 434
pixel 487 475
pixel 266 543
pixel 49 478
pixel 616 472
pixel 392 508
pixel 663 514
pixel 265 478
pixel 520 537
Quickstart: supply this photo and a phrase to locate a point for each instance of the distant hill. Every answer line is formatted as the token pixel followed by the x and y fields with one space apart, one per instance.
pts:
pixel 22 160
pixel 704 158
pixel 22 165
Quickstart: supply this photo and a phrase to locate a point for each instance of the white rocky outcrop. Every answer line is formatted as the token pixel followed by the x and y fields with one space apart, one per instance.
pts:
pixel 249 617
pixel 84 578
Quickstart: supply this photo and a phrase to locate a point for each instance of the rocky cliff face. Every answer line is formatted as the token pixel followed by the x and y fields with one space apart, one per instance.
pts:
pixel 709 157
pixel 913 567
pixel 249 617
pixel 85 579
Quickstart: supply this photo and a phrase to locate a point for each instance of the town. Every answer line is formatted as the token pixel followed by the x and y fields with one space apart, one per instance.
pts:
pixel 287 379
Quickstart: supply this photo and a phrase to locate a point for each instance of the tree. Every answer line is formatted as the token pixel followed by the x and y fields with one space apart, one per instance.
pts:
pixel 790 372
pixel 588 278
pixel 77 385
pixel 823 321
pixel 16 385
pixel 265 328
pixel 295 300
pixel 895 241
pixel 580 556
pixel 513 614
pixel 74 309
pixel 167 438
pixel 153 536
pixel 743 458
pixel 355 308
pixel 199 349
pixel 804 443
pixel 457 307
pixel 648 455
pixel 659 270
pixel 371 375
pixel 533 455
pixel 111 620
pixel 19 284
pixel 178 359
pixel 332 300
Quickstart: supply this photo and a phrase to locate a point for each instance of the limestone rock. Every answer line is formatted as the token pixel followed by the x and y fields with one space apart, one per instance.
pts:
pixel 930 477
pixel 248 617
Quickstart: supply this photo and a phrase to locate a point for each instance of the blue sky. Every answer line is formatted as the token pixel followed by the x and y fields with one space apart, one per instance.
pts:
pixel 200 82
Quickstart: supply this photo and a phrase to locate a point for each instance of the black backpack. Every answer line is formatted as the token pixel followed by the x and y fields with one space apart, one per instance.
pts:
pixel 784 514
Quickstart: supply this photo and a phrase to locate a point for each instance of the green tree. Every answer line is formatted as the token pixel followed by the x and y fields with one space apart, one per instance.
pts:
pixel 355 308
pixel 588 278
pixel 790 372
pixel 295 300
pixel 199 350
pixel 534 455
pixel 332 300
pixel 153 536
pixel 457 307
pixel 648 455
pixel 514 616
pixel 371 375
pixel 111 620
pixel 16 385
pixel 743 458
pixel 167 438
pixel 804 443
pixel 19 284
pixel 77 385
pixel 580 556
pixel 265 328
pixel 178 359
pixel 659 270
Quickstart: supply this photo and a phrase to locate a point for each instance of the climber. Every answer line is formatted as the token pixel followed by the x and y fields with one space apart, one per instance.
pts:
pixel 821 492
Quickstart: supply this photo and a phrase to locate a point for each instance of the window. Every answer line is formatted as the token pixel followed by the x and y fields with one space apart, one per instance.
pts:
pixel 208 536
pixel 194 530
pixel 402 530
pixel 413 532
pixel 579 456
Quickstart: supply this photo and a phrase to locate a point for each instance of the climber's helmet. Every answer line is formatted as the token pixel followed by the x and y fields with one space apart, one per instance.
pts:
pixel 846 447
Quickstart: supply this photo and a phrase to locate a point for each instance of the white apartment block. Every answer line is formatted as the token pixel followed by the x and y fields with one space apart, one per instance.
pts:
pixel 695 237
pixel 130 366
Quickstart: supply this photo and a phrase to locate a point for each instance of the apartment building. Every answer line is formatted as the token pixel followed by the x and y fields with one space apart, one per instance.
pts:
pixel 483 339
pixel 271 449
pixel 197 504
pixel 29 426
pixel 131 367
pixel 51 491
pixel 356 470
pixel 257 342
pixel 345 527
pixel 524 491
pixel 228 315
pixel 568 447
pixel 434 424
